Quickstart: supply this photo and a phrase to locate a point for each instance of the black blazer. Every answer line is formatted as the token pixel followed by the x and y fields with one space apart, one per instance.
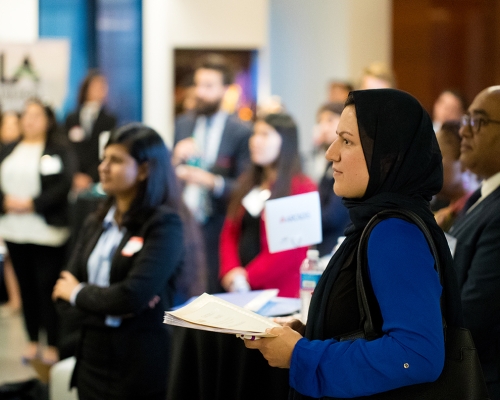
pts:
pixel 477 263
pixel 137 349
pixel 87 151
pixel 135 279
pixel 52 203
pixel 233 156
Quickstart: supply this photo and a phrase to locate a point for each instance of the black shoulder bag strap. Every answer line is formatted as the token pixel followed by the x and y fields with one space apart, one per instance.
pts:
pixel 369 311
pixel 462 376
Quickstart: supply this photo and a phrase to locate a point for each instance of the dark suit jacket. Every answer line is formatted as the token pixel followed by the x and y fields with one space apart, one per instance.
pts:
pixel 233 156
pixel 232 159
pixel 87 151
pixel 52 203
pixel 138 349
pixel 477 263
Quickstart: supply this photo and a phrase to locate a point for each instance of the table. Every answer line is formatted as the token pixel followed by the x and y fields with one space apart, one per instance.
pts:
pixel 215 366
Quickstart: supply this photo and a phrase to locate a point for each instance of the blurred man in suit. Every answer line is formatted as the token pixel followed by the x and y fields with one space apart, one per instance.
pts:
pixel 477 256
pixel 210 152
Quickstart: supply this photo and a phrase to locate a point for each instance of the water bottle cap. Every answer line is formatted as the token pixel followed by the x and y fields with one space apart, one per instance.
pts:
pixel 313 254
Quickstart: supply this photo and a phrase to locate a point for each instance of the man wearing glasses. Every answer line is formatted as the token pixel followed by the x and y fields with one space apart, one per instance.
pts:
pixel 477 256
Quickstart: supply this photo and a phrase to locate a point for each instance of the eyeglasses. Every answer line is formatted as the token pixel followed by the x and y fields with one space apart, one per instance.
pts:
pixel 476 122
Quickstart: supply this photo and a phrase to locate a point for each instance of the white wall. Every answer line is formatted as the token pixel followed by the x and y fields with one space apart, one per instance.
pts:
pixel 18 21
pixel 307 49
pixel 174 24
pixel 312 42
pixel 369 34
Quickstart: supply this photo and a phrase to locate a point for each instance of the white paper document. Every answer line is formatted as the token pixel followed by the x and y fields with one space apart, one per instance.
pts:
pixel 211 313
pixel 293 221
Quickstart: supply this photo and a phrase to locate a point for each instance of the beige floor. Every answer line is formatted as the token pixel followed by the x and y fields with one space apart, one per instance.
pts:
pixel 12 341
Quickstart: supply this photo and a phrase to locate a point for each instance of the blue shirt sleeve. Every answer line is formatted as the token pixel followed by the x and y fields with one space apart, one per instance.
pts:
pixel 411 350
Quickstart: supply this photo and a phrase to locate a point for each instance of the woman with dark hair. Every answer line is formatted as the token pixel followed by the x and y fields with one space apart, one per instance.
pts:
pixel 275 172
pixel 120 278
pixel 334 215
pixel 87 128
pixel 35 178
pixel 386 157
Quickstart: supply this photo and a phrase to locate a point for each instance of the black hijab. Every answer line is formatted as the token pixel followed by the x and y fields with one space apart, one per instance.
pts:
pixel 405 171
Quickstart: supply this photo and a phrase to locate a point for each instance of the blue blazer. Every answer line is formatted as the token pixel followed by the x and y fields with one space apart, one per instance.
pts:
pixel 477 264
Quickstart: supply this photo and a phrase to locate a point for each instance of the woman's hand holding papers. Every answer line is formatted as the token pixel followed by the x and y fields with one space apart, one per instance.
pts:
pixel 277 350
pixel 297 326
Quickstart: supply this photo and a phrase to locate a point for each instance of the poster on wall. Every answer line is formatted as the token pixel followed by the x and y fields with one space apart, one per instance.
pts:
pixel 38 69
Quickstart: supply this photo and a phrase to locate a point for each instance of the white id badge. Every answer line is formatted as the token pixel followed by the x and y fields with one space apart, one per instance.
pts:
pixel 76 134
pixel 255 200
pixel 103 140
pixel 51 165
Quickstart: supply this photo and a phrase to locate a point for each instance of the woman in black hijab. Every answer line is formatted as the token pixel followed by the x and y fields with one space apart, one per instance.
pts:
pixel 385 157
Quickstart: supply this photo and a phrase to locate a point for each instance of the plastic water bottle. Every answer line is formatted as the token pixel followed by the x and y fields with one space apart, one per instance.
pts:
pixel 310 272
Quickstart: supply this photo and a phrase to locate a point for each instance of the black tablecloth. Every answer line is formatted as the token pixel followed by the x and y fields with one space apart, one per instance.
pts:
pixel 216 366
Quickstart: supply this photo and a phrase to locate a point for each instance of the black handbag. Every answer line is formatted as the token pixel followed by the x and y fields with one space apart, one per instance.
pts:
pixel 462 376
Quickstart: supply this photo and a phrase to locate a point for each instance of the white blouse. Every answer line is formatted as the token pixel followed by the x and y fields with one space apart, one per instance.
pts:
pixel 20 177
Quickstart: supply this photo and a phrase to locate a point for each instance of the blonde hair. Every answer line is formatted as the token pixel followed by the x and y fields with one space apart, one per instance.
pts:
pixel 380 71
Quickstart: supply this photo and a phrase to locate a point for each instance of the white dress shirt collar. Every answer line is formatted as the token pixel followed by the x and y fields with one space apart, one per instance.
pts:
pixel 490 185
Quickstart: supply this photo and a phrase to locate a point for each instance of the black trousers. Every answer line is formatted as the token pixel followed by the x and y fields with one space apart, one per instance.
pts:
pixel 37 269
pixel 122 363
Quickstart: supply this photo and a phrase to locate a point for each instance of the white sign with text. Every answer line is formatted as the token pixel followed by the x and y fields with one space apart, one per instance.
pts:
pixel 293 221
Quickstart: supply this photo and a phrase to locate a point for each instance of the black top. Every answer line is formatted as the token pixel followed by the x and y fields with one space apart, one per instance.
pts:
pixel 342 310
pixel 87 149
pixel 52 203
pixel 249 245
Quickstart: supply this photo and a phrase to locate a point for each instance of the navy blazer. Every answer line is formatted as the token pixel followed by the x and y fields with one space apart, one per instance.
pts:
pixel 134 279
pixel 87 151
pixel 52 203
pixel 477 264
pixel 233 156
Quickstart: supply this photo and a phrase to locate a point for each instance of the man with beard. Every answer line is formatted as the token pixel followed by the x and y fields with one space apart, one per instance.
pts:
pixel 210 152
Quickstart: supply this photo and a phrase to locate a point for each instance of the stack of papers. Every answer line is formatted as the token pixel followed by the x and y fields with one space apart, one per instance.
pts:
pixel 211 313
pixel 263 302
